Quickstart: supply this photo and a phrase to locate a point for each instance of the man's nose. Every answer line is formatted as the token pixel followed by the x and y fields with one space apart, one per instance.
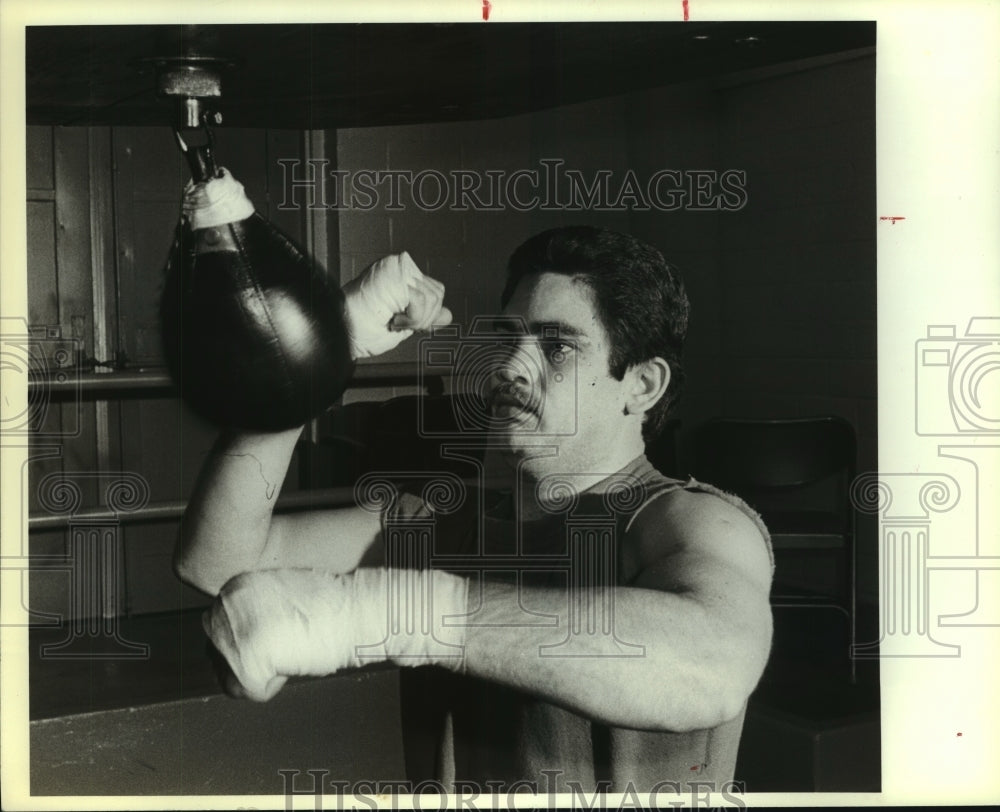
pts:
pixel 519 363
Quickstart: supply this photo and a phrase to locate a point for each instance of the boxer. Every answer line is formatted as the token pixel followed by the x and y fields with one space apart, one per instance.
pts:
pixel 663 697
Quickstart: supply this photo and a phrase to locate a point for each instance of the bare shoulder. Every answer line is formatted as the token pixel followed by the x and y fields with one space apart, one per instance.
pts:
pixel 685 536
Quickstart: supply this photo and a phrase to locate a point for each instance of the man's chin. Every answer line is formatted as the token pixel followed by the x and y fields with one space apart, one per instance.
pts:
pixel 517 447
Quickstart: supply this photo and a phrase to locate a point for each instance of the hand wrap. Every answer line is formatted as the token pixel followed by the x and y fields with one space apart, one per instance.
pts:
pixel 373 298
pixel 215 202
pixel 273 624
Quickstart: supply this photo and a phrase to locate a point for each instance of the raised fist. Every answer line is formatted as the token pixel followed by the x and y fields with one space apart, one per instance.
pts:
pixel 388 301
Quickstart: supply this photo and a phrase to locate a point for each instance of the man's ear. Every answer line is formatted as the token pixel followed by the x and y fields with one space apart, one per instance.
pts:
pixel 648 382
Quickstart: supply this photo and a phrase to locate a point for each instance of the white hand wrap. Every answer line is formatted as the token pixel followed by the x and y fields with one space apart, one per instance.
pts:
pixel 273 624
pixel 373 298
pixel 215 202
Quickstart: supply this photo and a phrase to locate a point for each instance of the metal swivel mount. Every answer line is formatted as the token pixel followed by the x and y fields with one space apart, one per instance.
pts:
pixel 191 81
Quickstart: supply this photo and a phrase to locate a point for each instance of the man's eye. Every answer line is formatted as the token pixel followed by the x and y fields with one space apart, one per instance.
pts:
pixel 557 351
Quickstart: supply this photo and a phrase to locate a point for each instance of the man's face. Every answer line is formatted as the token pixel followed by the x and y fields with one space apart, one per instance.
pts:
pixel 555 388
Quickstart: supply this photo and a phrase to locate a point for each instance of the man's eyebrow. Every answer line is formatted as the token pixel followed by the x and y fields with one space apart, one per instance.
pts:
pixel 555 329
pixel 542 329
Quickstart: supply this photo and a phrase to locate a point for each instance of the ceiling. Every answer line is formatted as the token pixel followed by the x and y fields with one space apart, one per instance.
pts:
pixel 354 75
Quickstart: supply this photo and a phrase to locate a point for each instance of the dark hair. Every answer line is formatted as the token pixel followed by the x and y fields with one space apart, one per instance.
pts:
pixel 640 298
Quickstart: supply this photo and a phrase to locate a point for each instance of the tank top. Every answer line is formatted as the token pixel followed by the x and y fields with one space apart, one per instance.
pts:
pixel 462 728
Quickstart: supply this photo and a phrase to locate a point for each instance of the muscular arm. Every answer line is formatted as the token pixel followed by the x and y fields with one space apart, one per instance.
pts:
pixel 229 526
pixel 699 608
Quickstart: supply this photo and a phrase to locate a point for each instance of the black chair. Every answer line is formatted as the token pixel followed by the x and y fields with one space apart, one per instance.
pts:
pixel 796 473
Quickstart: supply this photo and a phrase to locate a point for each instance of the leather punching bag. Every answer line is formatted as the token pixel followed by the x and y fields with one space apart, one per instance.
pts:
pixel 253 329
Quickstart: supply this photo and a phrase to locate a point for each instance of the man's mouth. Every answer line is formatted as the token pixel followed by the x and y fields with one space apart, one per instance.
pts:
pixel 507 402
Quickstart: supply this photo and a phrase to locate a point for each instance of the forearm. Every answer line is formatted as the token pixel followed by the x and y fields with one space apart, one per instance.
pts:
pixel 225 527
pixel 664 664
pixel 680 649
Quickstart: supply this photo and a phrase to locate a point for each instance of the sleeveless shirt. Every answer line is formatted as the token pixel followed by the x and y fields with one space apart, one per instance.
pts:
pixel 462 728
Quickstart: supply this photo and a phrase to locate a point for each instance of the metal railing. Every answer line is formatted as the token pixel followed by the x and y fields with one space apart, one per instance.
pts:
pixel 64 383
pixel 157 383
pixel 173 510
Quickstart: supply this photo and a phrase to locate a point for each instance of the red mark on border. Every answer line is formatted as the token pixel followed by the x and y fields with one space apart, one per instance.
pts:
pixel 958 734
pixel 487 6
pixel 892 220
pixel 687 16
